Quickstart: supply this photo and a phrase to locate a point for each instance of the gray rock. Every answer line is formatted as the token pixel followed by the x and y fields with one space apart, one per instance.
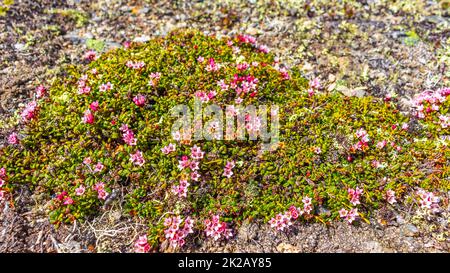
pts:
pixel 410 230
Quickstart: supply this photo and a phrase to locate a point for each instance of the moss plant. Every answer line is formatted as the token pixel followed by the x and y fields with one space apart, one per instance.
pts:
pixel 75 148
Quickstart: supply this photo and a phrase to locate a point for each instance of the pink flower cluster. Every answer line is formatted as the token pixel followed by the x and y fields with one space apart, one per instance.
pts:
pixel 141 245
pixel 314 85
pixel 137 158
pixel 41 91
pixel 216 229
pixel 350 216
pixel 242 66
pixel 428 200
pixel 169 149
pixel 244 85
pixel 3 178
pixel 135 65
pixel 264 49
pixel 246 39
pixel 283 72
pixel 197 153
pixel 94 106
pixel 390 197
pixel 88 117
pixel 181 189
pixel 227 171
pixel 284 220
pixel 128 135
pixel 204 97
pixel 429 101
pixel 83 88
pixel 101 192
pixel 364 139
pixel 212 65
pixel 154 78
pixel 13 138
pixel 98 167
pixel 381 144
pixel 354 195
pixel 177 231
pixel 65 198
pixel 139 100
pixel 106 87
pixel 30 111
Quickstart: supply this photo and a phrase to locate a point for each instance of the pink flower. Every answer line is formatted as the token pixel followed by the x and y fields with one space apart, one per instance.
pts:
pixel 381 144
pixel 2 195
pixel 176 231
pixel 216 229
pixel 428 200
pixel 137 158
pixel 229 43
pixel 99 186
pixel 264 49
pixel 212 66
pixel 13 139
pixel 2 173
pixel 351 216
pixel 184 162
pixel 41 91
pixel 128 137
pixel 181 189
pixel 154 78
pixel 343 213
pixel 106 87
pixel 284 73
pixel 247 39
pixel 195 176
pixel 200 59
pixel 98 167
pixel 194 165
pixel 2 182
pixel 94 106
pixel 29 112
pixel 315 84
pixel 196 153
pixel 141 245
pixel 361 133
pixel 317 150
pixel 80 190
pixel 228 173
pixel 127 44
pixel 390 197
pixel 88 117
pixel 405 126
pixel 135 65
pixel 90 55
pixel 68 200
pixel 87 161
pixel 354 195
pixel 242 66
pixel 168 149
pixel 139 100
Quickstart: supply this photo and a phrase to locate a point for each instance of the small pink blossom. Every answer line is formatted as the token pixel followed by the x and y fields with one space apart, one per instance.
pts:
pixel 390 197
pixel 98 167
pixel 200 59
pixel 80 190
pixel 141 245
pixel 88 117
pixel 315 84
pixel 195 176
pixel 137 158
pixel 139 100
pixel 381 144
pixel 264 49
pixel 41 91
pixel 30 111
pixel 212 66
pixel 13 138
pixel 90 55
pixel 68 200
pixel 94 106
pixel 354 195
pixel 196 153
pixel 217 229
pixel 176 231
pixel 87 161
pixel 169 148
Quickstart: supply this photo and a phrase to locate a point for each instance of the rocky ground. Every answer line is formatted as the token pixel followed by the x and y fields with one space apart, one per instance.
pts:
pixel 360 48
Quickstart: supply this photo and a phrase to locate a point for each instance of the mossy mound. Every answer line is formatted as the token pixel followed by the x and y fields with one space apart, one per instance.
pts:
pixel 77 152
